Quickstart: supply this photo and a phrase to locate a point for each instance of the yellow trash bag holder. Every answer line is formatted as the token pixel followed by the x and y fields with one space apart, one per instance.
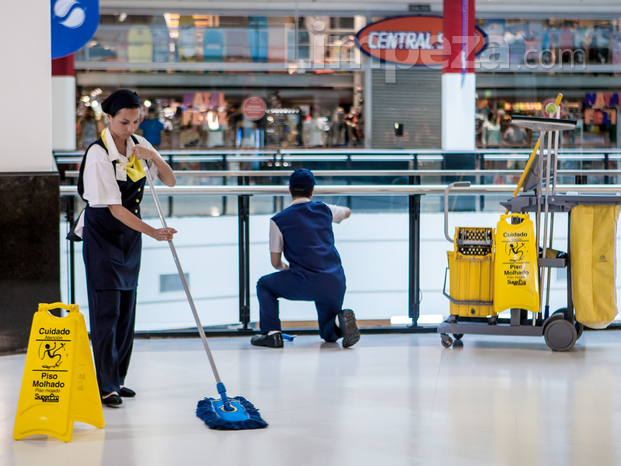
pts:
pixel 593 231
pixel 516 272
pixel 59 385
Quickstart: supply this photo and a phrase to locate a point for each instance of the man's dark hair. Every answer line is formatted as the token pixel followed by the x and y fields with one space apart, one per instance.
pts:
pixel 300 191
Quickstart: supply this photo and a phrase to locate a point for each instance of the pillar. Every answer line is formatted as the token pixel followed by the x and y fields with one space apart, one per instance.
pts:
pixel 29 184
pixel 458 81
pixel 63 104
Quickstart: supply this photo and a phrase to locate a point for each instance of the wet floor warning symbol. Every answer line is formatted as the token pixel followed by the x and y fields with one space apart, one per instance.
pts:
pixel 59 384
pixel 516 282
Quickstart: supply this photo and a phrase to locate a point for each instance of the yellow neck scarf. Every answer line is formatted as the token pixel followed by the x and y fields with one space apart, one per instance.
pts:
pixel 135 171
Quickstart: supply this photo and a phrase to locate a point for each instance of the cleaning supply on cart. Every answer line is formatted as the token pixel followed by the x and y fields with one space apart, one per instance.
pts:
pixel 471 267
pixel 516 281
pixel 593 231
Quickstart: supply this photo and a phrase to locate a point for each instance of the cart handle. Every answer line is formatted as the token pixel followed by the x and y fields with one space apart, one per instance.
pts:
pixel 459 184
pixel 463 302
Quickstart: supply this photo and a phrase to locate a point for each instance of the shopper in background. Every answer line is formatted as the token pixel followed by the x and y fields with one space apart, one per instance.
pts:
pixel 88 128
pixel 514 136
pixel 151 128
pixel 490 135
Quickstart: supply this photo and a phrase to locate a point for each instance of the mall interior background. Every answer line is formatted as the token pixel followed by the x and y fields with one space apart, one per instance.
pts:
pixel 193 69
pixel 321 92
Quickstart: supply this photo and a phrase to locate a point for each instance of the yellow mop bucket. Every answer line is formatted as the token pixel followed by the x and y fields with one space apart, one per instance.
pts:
pixel 471 268
pixel 516 282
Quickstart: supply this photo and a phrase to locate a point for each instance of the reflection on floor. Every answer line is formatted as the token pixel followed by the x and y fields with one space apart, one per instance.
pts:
pixel 390 400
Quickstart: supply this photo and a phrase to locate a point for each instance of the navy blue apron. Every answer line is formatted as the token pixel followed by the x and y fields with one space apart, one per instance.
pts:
pixel 112 259
pixel 111 249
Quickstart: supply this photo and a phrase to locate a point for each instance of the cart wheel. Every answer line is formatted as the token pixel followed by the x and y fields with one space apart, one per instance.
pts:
pixel 447 341
pixel 458 336
pixel 560 335
pixel 560 314
pixel 579 329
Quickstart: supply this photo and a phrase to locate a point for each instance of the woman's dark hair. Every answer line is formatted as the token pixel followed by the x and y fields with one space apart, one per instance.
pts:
pixel 118 100
pixel 491 116
pixel 130 107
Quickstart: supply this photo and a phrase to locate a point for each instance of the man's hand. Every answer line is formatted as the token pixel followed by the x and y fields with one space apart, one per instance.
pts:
pixel 277 262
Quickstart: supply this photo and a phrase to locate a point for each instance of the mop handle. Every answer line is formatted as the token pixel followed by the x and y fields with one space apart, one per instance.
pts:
pixel 559 98
pixel 183 280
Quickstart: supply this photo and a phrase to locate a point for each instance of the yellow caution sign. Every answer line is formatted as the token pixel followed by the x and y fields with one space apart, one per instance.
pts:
pixel 59 384
pixel 516 273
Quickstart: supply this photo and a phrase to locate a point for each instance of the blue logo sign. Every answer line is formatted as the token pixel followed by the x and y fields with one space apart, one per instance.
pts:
pixel 74 23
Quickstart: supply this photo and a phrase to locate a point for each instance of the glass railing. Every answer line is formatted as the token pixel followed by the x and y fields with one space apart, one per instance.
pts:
pixel 390 167
pixel 376 244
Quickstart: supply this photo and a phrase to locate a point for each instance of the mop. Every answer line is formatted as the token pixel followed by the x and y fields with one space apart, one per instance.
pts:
pixel 226 413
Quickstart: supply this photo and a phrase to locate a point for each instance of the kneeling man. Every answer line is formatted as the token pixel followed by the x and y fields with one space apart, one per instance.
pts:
pixel 303 232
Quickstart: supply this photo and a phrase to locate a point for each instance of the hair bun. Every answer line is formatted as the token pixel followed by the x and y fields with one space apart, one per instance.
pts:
pixel 118 100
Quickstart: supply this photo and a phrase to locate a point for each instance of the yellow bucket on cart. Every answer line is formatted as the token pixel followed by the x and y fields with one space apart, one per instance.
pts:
pixel 471 266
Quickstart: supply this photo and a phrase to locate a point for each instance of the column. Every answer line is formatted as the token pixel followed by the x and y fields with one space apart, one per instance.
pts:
pixel 29 184
pixel 458 81
pixel 63 104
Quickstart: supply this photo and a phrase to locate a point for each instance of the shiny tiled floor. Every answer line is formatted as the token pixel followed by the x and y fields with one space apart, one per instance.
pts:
pixel 390 400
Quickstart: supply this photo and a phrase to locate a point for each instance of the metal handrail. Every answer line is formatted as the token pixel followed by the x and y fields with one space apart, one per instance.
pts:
pixel 362 152
pixel 362 190
pixel 373 173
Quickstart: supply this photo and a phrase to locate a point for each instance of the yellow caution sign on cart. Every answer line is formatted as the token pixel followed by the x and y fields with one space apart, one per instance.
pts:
pixel 59 384
pixel 516 282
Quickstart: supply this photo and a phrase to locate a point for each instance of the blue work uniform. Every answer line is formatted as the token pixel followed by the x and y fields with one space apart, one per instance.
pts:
pixel 315 273
pixel 111 254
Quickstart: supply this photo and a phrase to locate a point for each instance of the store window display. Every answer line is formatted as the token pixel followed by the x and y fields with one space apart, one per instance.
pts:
pixel 551 41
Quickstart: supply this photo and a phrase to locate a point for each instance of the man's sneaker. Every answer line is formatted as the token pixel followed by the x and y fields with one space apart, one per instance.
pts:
pixel 349 329
pixel 271 341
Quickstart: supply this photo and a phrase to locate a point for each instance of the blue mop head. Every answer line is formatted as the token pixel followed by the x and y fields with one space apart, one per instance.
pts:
pixel 245 415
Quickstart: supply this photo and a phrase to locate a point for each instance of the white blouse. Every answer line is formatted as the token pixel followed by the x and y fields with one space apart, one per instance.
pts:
pixel 100 186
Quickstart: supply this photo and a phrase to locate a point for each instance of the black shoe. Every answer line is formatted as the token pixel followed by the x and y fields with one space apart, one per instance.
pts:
pixel 272 341
pixel 127 392
pixel 349 329
pixel 112 401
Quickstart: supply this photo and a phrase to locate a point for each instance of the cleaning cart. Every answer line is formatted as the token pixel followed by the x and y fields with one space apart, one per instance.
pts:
pixel 492 271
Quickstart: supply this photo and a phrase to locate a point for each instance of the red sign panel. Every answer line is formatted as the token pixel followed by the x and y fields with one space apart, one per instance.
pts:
pixel 254 108
pixel 410 40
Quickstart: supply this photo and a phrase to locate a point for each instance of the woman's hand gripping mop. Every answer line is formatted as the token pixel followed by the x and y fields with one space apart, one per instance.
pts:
pixel 234 413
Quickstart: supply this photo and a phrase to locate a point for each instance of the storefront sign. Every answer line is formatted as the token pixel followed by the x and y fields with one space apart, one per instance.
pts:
pixel 419 8
pixel 74 23
pixel 602 99
pixel 606 116
pixel 254 108
pixel 523 106
pixel 410 40
pixel 204 100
